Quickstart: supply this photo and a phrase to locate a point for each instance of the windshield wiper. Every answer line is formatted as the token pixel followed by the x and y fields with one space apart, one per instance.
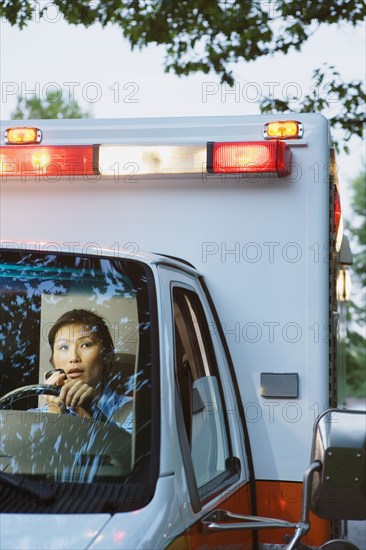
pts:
pixel 35 488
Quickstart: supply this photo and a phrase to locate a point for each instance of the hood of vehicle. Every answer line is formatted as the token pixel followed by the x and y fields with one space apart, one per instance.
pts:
pixel 153 526
pixel 50 531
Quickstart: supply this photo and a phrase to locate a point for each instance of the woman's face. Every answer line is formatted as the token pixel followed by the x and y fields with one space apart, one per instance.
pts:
pixel 78 352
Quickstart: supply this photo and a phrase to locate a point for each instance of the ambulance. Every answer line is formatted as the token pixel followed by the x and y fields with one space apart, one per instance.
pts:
pixel 211 247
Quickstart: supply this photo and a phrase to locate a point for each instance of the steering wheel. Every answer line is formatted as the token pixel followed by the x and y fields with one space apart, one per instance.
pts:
pixel 43 389
pixel 34 389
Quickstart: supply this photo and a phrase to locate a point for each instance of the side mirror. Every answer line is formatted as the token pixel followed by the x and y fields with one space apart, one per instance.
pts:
pixel 338 488
pixel 334 482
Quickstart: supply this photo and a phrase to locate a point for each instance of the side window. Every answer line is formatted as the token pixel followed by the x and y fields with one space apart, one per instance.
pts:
pixel 196 370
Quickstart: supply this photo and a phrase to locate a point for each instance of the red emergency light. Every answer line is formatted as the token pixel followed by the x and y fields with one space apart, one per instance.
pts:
pixel 337 210
pixel 252 157
pixel 22 160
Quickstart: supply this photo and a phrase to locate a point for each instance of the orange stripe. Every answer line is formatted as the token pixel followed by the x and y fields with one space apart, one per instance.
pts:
pixel 282 500
pixel 237 502
pixel 275 499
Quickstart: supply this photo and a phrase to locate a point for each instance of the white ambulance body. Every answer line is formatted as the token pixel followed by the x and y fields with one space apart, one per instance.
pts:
pixel 254 215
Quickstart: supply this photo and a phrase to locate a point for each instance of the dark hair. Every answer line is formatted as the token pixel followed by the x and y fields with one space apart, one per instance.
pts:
pixel 95 324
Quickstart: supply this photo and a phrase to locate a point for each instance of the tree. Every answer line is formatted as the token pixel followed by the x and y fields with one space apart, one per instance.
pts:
pixel 212 35
pixel 358 228
pixel 54 106
pixel 356 349
pixel 201 35
pixel 344 104
pixel 355 364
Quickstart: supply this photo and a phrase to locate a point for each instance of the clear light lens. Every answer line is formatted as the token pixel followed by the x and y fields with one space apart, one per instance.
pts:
pixel 132 161
pixel 344 285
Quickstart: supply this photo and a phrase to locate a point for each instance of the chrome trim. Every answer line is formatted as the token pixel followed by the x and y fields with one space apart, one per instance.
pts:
pixel 214 522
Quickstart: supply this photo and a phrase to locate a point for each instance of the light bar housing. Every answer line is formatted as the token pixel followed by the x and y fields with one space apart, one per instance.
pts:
pixel 253 157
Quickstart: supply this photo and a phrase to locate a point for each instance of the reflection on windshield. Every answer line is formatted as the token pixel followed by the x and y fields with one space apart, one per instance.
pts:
pixel 87 320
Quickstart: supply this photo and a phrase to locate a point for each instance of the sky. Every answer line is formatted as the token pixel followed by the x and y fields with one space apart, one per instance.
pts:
pixel 96 67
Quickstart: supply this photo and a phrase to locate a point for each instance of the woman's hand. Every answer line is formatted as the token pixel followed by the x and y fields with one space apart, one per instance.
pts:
pixel 74 393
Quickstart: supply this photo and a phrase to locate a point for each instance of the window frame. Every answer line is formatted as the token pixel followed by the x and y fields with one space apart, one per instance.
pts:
pixel 149 485
pixel 231 475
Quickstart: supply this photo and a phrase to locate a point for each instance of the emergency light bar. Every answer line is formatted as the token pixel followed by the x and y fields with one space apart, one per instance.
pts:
pixel 136 160
pixel 251 157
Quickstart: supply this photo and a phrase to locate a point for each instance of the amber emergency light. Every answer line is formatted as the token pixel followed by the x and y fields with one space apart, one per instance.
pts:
pixel 22 136
pixel 286 129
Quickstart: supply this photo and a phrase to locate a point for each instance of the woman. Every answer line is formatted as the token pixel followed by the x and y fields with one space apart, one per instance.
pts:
pixel 82 354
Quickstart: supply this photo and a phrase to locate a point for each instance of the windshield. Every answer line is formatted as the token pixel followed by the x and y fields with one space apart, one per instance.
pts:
pixel 76 371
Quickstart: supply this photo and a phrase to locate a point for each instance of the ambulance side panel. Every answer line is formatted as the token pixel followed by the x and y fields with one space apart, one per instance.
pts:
pixel 261 242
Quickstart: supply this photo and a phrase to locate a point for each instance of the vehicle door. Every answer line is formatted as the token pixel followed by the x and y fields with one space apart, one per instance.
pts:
pixel 207 414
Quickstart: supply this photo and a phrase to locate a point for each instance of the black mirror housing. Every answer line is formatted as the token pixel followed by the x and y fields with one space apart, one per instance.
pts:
pixel 339 445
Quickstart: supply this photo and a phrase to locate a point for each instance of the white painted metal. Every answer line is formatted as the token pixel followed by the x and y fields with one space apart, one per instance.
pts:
pixel 261 243
pixel 153 526
pixel 172 130
pixel 169 276
pixel 49 531
pixel 160 522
